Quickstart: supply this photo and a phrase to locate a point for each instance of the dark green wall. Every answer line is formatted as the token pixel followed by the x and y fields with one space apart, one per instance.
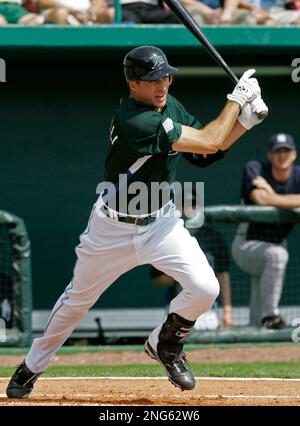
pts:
pixel 54 128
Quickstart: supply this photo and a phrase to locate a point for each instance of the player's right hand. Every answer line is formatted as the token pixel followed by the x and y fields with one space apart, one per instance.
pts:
pixel 249 116
pixel 246 90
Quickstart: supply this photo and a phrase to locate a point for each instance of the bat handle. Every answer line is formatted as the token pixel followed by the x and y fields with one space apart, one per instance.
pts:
pixel 262 115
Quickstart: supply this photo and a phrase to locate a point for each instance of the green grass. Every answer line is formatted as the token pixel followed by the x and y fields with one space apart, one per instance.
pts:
pixel 272 369
pixel 139 348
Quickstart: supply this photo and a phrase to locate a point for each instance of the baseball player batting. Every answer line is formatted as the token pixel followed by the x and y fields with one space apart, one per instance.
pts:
pixel 151 131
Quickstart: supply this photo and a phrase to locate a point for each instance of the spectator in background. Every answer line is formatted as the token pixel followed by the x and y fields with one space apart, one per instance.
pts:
pixel 147 12
pixel 271 12
pixel 12 12
pixel 31 6
pixel 77 12
pixel 260 249
pixel 219 12
pixel 215 249
pixel 292 4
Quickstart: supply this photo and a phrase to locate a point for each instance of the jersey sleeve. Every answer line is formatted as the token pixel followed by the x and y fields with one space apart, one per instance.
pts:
pixel 151 133
pixel 251 171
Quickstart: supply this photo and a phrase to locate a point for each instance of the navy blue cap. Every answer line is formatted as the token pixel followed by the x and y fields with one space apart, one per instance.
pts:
pixel 281 140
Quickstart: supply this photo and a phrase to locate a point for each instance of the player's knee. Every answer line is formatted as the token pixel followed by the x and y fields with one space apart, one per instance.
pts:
pixel 75 304
pixel 75 311
pixel 277 254
pixel 213 291
pixel 207 292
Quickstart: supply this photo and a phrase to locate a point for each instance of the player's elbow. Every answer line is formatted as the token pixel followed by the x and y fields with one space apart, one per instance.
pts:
pixel 215 140
pixel 212 145
pixel 215 144
pixel 214 149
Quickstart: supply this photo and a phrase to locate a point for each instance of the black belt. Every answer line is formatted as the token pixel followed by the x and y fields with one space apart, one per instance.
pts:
pixel 141 221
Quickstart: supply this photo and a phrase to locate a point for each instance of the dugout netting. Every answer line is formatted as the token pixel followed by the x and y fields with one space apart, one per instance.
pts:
pixel 226 220
pixel 15 281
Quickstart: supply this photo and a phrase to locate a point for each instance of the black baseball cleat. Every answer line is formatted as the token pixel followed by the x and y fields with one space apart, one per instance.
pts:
pixel 171 357
pixel 21 383
pixel 274 322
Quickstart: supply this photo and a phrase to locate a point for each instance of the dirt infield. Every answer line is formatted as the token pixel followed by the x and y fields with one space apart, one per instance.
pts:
pixel 158 391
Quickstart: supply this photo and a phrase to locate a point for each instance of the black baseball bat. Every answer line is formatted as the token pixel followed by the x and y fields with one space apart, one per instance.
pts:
pixel 188 21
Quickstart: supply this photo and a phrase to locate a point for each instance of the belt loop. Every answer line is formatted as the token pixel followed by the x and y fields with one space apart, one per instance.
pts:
pixel 113 215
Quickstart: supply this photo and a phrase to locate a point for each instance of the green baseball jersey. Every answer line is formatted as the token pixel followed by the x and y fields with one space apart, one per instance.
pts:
pixel 138 130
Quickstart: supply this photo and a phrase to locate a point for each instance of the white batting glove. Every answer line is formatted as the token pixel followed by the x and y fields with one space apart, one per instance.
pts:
pixel 246 90
pixel 248 117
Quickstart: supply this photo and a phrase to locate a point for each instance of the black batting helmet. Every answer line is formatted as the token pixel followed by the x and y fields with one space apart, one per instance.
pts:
pixel 146 63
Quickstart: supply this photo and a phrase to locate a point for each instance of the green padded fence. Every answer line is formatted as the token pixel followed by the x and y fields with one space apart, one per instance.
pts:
pixel 15 279
pixel 123 35
pixel 241 213
pixel 225 219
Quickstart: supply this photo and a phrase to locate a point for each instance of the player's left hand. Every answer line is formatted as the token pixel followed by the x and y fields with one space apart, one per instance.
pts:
pixel 249 113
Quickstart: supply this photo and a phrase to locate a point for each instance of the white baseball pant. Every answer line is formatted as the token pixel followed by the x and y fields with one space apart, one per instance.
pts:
pixel 108 249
